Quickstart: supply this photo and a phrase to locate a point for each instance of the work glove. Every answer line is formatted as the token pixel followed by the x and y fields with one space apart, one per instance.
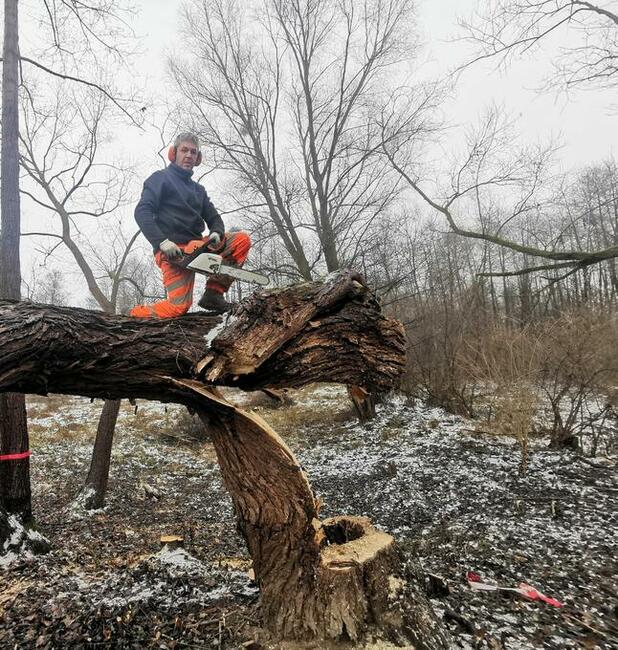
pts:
pixel 214 240
pixel 170 249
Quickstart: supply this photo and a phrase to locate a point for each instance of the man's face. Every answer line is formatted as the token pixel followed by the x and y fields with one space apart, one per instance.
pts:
pixel 186 155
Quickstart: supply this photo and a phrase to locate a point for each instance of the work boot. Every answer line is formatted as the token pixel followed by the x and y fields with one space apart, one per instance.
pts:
pixel 213 301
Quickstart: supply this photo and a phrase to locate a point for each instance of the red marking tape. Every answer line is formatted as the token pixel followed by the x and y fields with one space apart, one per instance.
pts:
pixel 21 456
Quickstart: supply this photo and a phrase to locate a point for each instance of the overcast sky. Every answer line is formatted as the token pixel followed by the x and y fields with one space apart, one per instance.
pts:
pixel 583 120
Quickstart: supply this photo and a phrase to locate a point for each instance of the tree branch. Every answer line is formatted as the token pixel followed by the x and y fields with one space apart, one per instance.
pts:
pixel 85 83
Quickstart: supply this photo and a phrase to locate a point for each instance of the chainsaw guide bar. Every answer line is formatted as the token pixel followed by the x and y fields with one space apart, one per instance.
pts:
pixel 212 264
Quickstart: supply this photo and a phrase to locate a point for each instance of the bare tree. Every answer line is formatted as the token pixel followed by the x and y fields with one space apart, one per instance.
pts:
pixel 124 272
pixel 60 150
pixel 14 445
pixel 76 36
pixel 489 166
pixel 592 205
pixel 287 99
pixel 510 28
pixel 61 145
pixel 49 288
pixel 80 43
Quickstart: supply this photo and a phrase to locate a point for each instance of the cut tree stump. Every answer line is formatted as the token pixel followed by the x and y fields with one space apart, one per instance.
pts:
pixel 334 579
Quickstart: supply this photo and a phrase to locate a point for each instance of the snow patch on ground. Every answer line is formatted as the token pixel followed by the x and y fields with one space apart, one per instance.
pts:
pixel 458 500
pixel 452 498
pixel 20 543
pixel 179 560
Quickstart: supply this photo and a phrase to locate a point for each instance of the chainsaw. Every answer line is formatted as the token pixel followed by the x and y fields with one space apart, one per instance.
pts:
pixel 207 263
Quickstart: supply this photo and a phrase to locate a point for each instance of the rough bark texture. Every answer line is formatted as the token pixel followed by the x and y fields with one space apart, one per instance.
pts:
pixel 10 278
pixel 334 579
pixel 275 339
pixel 14 474
pixel 98 475
pixel 15 494
pixel 326 580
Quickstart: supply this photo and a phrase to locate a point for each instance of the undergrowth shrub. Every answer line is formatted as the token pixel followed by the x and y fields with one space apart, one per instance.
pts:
pixel 556 376
pixel 503 363
pixel 437 332
pixel 578 372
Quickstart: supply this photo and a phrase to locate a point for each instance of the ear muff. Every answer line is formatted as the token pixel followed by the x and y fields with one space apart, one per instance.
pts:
pixel 171 155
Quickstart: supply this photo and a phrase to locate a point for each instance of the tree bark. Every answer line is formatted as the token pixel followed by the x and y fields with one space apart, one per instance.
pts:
pixel 10 278
pixel 332 331
pixel 14 472
pixel 364 403
pixel 334 579
pixel 16 539
pixel 15 494
pixel 94 489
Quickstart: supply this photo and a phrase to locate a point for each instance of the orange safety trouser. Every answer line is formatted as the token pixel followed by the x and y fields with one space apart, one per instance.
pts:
pixel 178 282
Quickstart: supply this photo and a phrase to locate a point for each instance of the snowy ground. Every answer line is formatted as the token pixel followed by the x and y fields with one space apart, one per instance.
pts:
pixel 452 498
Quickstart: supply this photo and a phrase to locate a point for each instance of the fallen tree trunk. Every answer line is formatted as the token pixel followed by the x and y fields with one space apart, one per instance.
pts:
pixel 327 580
pixel 275 339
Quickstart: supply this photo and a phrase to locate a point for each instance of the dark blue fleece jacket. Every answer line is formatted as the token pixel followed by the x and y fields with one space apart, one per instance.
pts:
pixel 174 207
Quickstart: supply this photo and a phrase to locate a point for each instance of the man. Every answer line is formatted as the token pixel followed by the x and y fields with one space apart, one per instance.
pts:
pixel 172 213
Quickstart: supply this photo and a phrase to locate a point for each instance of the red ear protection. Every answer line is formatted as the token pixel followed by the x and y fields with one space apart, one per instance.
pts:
pixel 171 155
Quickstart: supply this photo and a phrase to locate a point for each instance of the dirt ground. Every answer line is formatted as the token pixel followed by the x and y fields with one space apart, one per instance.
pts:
pixel 452 498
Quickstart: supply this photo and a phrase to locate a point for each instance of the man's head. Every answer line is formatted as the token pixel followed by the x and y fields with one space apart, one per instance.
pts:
pixel 185 151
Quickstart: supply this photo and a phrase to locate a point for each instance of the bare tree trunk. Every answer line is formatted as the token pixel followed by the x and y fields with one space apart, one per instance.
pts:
pixel 92 495
pixel 96 481
pixel 15 538
pixel 10 278
pixel 14 465
pixel 330 331
pixel 15 494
